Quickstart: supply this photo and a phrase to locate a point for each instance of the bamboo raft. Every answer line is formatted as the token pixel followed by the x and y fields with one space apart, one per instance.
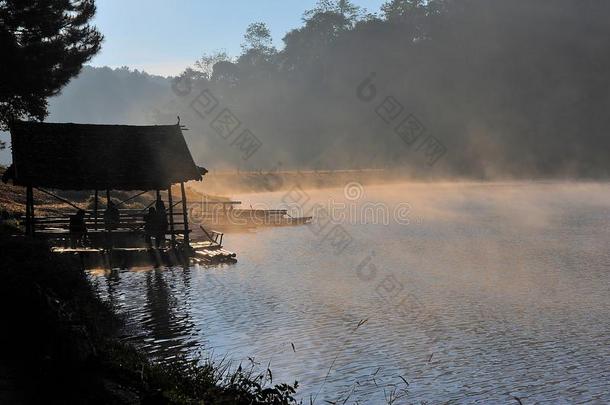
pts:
pixel 200 253
pixel 127 246
pixel 208 252
pixel 211 251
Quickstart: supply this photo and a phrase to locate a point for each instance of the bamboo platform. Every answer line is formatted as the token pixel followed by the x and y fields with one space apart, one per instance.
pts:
pixel 205 252
pixel 209 252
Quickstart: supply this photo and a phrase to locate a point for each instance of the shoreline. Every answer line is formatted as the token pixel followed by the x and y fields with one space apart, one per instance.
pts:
pixel 249 182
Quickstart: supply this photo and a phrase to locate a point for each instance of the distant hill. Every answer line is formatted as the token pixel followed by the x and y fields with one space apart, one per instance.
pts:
pixel 103 95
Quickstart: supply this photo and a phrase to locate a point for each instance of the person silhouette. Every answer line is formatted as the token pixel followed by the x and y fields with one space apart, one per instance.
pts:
pixel 78 229
pixel 161 223
pixel 150 221
pixel 111 216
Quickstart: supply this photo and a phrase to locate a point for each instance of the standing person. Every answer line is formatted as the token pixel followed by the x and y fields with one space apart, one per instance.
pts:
pixel 78 229
pixel 161 228
pixel 150 221
pixel 112 217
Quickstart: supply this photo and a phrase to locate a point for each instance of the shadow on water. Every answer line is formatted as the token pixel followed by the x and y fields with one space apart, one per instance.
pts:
pixel 157 319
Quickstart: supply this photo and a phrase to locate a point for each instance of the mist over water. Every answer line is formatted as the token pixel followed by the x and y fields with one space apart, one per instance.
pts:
pixel 492 290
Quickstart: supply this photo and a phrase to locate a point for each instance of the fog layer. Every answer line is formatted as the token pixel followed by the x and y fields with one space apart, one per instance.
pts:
pixel 510 89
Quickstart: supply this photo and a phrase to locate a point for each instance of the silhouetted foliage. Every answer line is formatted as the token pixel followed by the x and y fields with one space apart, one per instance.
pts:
pixel 43 43
pixel 512 88
pixel 257 36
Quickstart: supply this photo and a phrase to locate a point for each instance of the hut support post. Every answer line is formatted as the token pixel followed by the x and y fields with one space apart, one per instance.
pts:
pixel 170 202
pixel 95 204
pixel 185 215
pixel 109 240
pixel 29 211
pixel 32 211
pixel 28 218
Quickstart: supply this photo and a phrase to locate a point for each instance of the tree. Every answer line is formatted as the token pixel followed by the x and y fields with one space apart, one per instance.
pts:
pixel 308 46
pixel 43 43
pixel 204 67
pixel 257 36
pixel 400 9
pixel 258 51
pixel 345 8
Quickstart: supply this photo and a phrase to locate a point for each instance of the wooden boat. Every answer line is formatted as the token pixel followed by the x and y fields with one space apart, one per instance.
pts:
pixel 222 217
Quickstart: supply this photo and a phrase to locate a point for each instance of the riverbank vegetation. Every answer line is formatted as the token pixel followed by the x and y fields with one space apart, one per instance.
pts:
pixel 62 341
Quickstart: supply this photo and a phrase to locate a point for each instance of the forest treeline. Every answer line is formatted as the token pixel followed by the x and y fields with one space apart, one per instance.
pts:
pixel 508 88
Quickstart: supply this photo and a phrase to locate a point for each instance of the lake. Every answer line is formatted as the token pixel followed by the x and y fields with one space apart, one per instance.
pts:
pixel 441 292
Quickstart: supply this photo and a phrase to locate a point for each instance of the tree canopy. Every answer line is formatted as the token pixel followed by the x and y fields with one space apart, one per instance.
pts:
pixel 510 87
pixel 43 43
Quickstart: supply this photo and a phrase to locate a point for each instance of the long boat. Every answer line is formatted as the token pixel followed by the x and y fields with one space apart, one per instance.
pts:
pixel 223 215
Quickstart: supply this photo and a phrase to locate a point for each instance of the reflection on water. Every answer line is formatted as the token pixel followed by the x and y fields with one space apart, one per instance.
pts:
pixel 490 292
pixel 156 304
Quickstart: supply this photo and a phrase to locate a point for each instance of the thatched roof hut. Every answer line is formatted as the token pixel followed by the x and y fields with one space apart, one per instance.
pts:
pixel 99 157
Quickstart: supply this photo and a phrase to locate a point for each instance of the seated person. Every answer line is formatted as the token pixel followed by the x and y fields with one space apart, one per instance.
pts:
pixel 78 229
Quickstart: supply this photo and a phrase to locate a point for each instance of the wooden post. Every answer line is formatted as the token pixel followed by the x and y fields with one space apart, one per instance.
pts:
pixel 29 211
pixel 109 241
pixel 95 204
pixel 32 212
pixel 185 215
pixel 28 219
pixel 170 201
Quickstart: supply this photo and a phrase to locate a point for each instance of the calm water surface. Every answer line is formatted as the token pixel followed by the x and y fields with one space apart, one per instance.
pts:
pixel 468 292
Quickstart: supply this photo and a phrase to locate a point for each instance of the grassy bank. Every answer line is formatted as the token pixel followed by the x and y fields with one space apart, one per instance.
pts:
pixel 61 340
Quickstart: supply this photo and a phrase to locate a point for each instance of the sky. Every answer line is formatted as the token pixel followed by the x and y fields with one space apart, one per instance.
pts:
pixel 163 37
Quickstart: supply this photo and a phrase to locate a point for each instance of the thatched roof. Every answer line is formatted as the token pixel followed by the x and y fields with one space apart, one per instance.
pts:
pixel 88 157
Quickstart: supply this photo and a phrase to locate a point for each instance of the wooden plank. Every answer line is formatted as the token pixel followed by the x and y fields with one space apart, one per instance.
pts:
pixel 185 213
pixel 171 215
pixel 95 206
pixel 75 250
pixel 29 221
pixel 60 231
